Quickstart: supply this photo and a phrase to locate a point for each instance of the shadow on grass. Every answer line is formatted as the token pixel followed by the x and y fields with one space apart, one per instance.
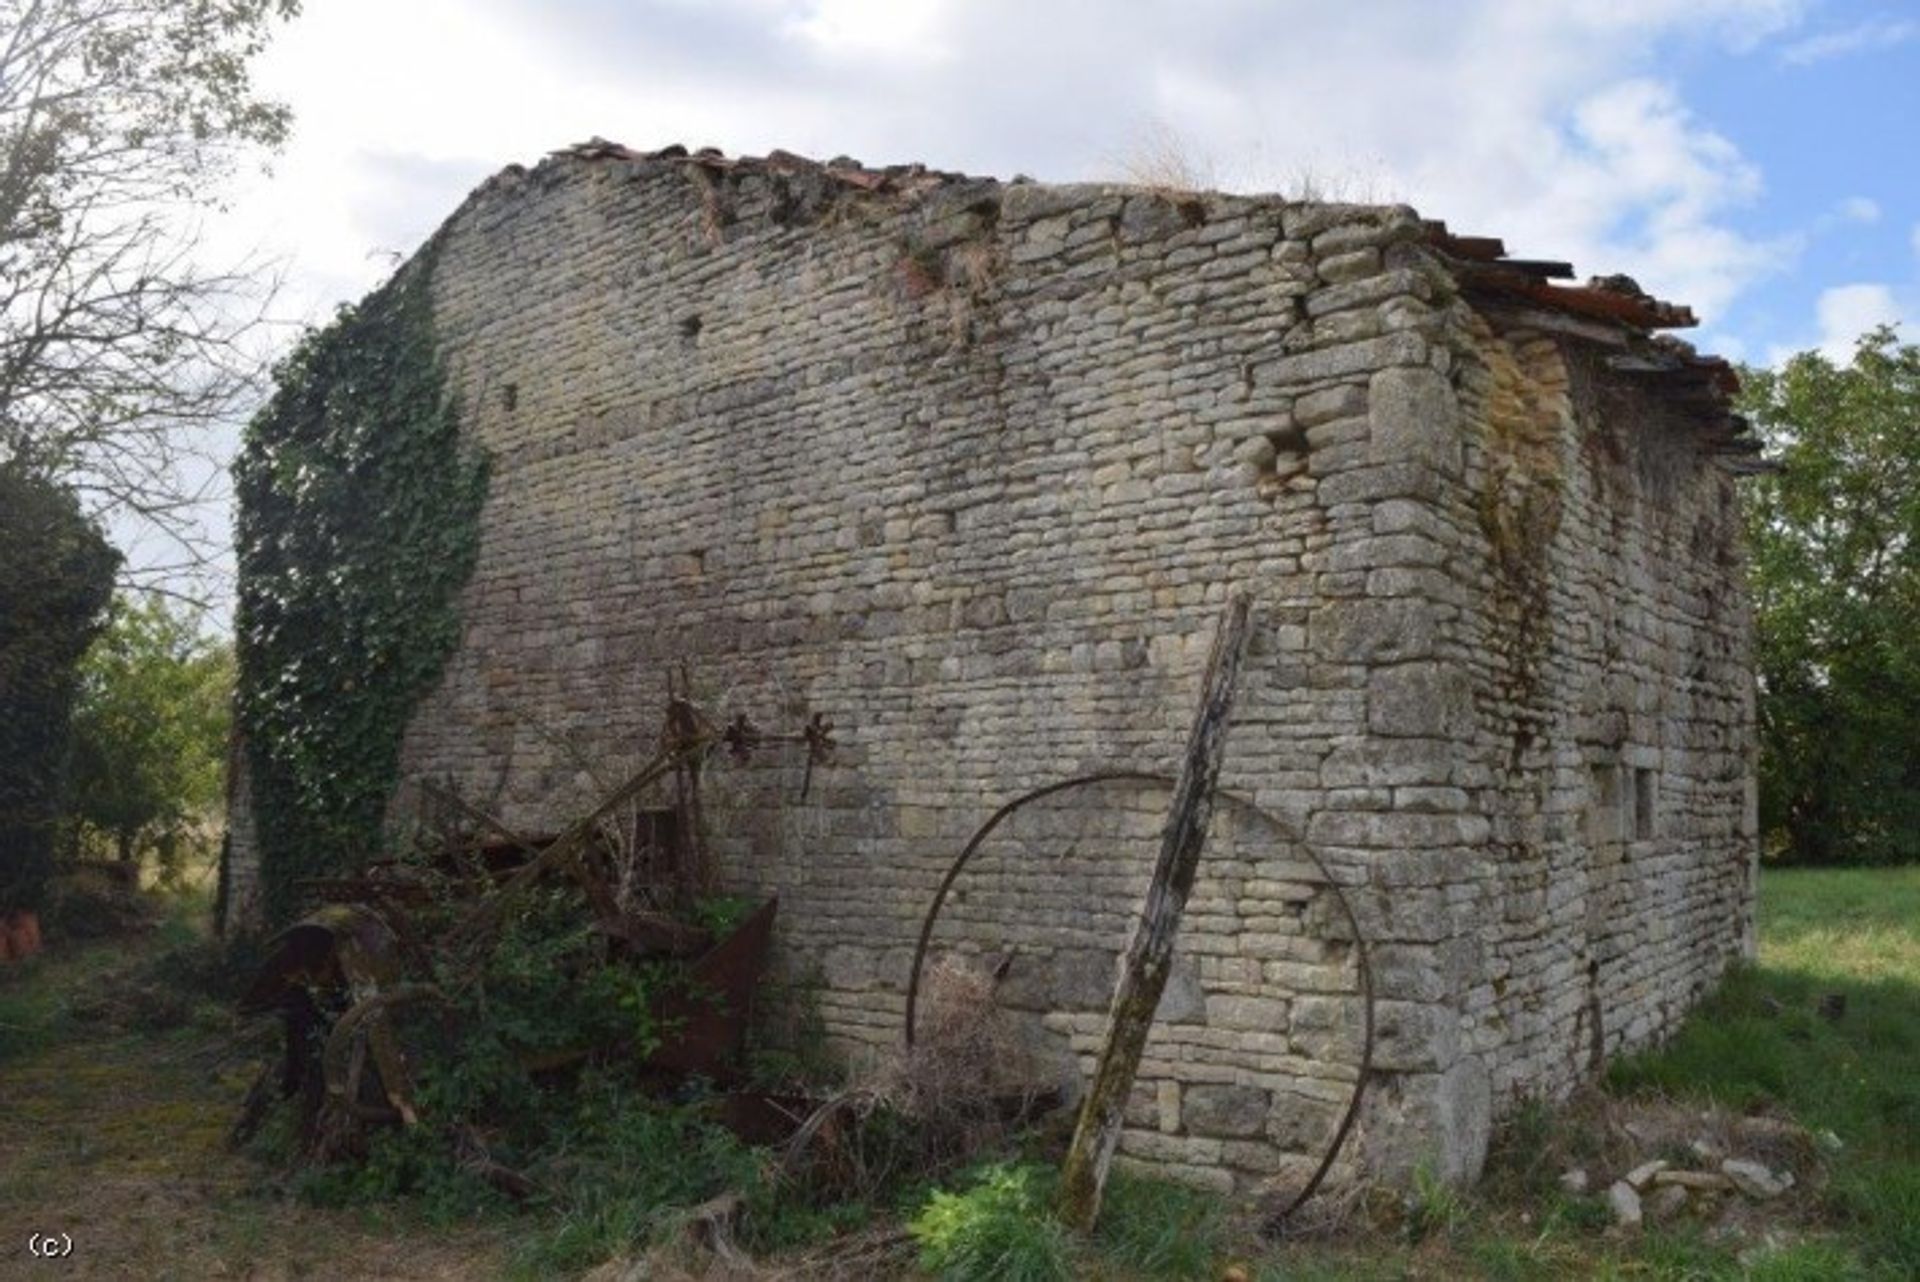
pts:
pixel 1763 1044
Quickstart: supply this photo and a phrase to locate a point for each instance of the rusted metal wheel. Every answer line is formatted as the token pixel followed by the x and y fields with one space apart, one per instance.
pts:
pixel 1275 1222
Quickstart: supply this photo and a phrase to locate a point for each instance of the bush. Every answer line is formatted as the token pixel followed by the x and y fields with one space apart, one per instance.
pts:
pixel 56 577
pixel 1000 1229
pixel 150 735
pixel 90 903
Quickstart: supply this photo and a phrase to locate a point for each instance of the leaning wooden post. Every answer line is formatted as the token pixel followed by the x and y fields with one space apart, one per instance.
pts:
pixel 1150 954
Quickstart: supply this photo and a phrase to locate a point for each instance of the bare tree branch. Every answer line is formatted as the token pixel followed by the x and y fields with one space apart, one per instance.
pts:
pixel 121 354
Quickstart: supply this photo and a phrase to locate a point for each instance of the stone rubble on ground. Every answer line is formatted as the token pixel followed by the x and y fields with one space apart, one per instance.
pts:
pixel 1703 1181
pixel 1642 1175
pixel 1667 1202
pixel 1755 1180
pixel 1625 1204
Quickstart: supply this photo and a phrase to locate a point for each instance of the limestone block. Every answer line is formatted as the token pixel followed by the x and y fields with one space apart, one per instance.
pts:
pixel 1344 361
pixel 1370 631
pixel 847 967
pixel 1345 400
pixel 1355 265
pixel 1419 700
pixel 1441 1121
pixel 1301 1123
pixel 1225 1111
pixel 1410 1036
pixel 1416 418
pixel 1260 1014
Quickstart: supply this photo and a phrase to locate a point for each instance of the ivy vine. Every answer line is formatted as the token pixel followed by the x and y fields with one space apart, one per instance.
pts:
pixel 359 505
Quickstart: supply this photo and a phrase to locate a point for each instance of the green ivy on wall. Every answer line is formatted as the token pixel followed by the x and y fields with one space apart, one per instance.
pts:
pixel 359 506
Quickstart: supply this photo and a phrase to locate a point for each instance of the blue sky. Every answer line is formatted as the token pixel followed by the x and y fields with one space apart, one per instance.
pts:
pixel 1753 158
pixel 1828 116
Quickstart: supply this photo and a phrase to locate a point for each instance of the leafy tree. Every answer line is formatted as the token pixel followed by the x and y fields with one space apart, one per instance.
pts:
pixel 56 577
pixel 150 733
pixel 118 348
pixel 1835 540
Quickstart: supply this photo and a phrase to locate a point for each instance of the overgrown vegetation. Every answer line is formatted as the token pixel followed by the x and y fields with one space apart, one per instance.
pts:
pixel 1835 540
pixel 359 505
pixel 998 1222
pixel 150 739
pixel 121 1068
pixel 56 577
pixel 618 1172
pixel 528 1087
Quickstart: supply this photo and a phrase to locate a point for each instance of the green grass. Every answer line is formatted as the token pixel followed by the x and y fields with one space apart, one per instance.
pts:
pixel 1761 1043
pixel 30 1011
pixel 997 1223
pixel 42 999
pixel 1158 1229
pixel 119 1079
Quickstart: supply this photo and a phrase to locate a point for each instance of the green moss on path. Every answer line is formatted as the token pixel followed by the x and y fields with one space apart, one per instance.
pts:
pixel 119 1139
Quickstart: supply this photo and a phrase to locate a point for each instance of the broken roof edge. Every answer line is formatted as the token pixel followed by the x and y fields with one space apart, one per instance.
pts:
pixel 1614 313
pixel 1611 312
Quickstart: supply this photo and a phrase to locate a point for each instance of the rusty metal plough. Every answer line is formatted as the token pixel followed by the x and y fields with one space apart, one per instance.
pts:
pixel 383 943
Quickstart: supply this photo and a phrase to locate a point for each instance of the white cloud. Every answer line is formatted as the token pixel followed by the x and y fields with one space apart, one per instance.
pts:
pixel 1842 314
pixel 1534 120
pixel 1631 182
pixel 893 29
pixel 1859 209
pixel 1521 118
pixel 1877 33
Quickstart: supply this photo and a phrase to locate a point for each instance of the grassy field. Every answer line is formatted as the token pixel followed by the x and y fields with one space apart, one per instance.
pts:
pixel 1759 1046
pixel 116 1086
pixel 1854 934
pixel 116 1091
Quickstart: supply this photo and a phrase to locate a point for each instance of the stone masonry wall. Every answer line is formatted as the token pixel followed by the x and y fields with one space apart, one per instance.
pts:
pixel 1563 683
pixel 971 470
pixel 1604 636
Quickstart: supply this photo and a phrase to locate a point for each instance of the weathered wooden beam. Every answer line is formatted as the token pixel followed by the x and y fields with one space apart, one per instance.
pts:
pixel 1150 953
pixel 1540 268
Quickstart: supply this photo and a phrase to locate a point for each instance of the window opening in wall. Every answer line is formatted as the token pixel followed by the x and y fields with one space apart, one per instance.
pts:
pixel 1643 804
pixel 1606 813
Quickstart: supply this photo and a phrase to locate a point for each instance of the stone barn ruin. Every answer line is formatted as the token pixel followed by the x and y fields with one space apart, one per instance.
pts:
pixel 969 466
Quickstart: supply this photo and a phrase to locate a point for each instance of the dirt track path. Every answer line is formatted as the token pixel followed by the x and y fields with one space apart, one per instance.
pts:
pixel 119 1140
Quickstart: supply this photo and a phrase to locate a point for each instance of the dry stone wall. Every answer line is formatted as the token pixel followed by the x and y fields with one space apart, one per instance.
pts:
pixel 1604 642
pixel 970 470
